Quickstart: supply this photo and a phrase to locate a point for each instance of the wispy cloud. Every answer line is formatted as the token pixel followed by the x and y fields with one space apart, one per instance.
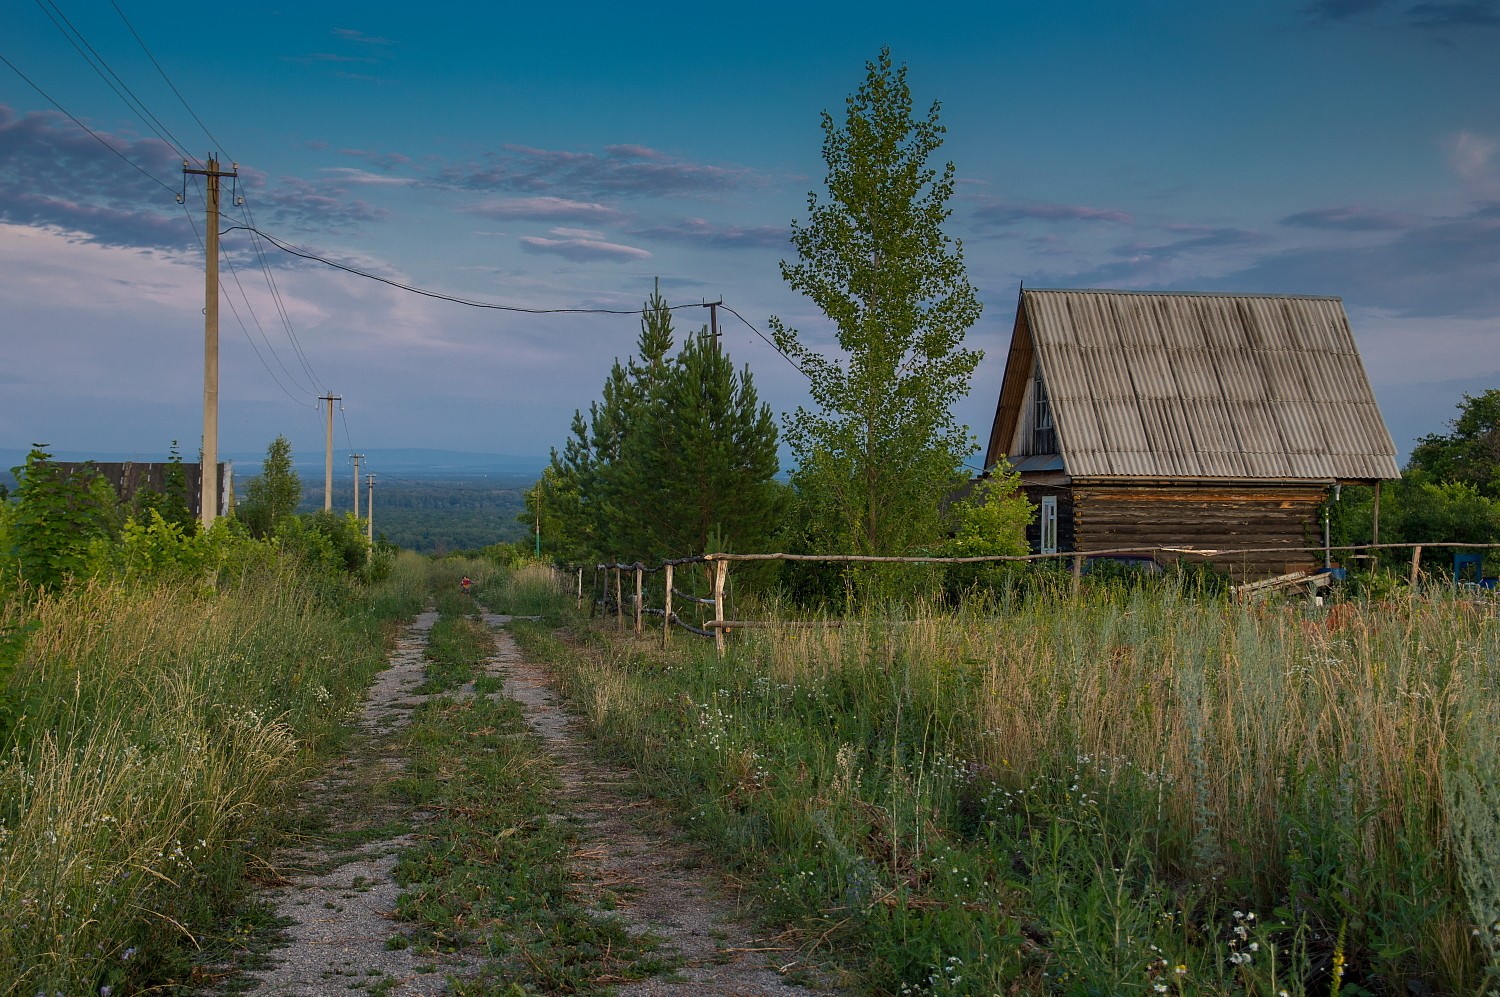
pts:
pixel 348 174
pixel 359 37
pixel 319 205
pixel 545 208
pixel 1442 267
pixel 1456 14
pixel 1340 10
pixel 701 232
pixel 1349 218
pixel 583 249
pixel 1472 156
pixel 379 160
pixel 623 170
pixel 54 173
pixel 996 212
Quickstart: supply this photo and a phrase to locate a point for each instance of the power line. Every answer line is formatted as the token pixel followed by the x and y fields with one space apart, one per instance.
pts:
pixel 217 144
pixel 136 105
pixel 286 319
pixel 295 400
pixel 447 297
pixel 48 97
pixel 768 341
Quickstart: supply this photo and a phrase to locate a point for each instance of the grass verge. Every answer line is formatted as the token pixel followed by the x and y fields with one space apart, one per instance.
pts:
pixel 160 725
pixel 1115 793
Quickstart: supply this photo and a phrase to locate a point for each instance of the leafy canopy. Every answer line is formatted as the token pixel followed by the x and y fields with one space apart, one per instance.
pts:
pixel 881 450
pixel 1470 451
pixel 271 499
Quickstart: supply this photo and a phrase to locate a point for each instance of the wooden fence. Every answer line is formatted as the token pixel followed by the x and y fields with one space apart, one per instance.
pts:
pixel 716 567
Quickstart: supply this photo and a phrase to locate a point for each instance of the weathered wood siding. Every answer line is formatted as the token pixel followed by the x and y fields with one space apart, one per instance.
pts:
pixel 129 477
pixel 1213 516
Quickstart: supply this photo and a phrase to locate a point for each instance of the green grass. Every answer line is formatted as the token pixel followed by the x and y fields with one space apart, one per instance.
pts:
pixel 1119 792
pixel 493 871
pixel 160 726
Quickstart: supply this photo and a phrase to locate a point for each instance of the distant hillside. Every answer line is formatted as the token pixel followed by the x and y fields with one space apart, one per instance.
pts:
pixel 408 462
pixel 436 514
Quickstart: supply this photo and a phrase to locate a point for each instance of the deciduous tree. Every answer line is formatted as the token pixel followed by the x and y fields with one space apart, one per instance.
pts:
pixel 272 497
pixel 1470 451
pixel 881 449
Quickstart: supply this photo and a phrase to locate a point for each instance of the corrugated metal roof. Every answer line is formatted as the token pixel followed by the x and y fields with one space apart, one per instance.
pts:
pixel 1205 385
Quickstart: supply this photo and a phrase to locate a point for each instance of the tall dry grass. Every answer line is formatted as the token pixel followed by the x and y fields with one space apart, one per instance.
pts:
pixel 159 726
pixel 1135 766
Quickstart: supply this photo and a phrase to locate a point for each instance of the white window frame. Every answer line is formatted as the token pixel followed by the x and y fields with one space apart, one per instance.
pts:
pixel 1048 521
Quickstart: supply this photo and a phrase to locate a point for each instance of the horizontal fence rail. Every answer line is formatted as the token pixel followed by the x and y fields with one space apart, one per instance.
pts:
pixel 717 565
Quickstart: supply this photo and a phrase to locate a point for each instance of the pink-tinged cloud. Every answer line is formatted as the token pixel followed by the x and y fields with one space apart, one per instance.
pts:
pixel 583 250
pixel 349 174
pixel 546 208
pixel 628 151
pixel 1012 212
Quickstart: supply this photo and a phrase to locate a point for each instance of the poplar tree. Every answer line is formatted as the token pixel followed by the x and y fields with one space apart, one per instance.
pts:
pixel 272 498
pixel 881 450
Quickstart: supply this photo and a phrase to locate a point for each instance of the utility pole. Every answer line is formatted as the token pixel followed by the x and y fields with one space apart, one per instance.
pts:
pixel 713 319
pixel 356 457
pixel 370 513
pixel 208 466
pixel 330 398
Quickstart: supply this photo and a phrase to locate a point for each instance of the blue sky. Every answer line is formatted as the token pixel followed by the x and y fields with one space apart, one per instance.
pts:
pixel 567 156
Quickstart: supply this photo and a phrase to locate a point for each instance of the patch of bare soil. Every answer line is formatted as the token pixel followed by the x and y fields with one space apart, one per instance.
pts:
pixel 625 848
pixel 337 895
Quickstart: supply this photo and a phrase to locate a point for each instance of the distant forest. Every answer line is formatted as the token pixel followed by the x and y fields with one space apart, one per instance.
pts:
pixel 436 515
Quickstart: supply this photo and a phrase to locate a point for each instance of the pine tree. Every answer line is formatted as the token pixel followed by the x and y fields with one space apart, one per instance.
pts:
pixel 677 451
pixel 701 463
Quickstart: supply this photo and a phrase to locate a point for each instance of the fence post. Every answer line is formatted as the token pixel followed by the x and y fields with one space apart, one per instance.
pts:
pixel 580 590
pixel 619 601
pixel 721 569
pixel 1416 563
pixel 640 573
pixel 666 619
pixel 1077 572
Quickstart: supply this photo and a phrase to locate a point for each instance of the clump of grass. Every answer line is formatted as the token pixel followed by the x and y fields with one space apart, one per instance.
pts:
pixel 1132 788
pixel 530 590
pixel 159 724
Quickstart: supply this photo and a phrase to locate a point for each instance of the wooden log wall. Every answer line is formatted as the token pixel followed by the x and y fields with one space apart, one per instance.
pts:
pixel 1207 516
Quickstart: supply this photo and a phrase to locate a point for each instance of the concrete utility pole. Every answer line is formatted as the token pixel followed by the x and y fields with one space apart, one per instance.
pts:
pixel 328 453
pixel 209 465
pixel 370 513
pixel 356 457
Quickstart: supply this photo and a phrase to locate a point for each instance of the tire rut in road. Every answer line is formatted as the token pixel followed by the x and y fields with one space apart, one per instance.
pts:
pixel 625 848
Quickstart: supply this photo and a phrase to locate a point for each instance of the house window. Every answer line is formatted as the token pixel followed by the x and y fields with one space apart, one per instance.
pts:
pixel 1043 435
pixel 1049 524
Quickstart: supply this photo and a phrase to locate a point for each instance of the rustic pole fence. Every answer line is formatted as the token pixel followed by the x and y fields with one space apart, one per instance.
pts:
pixel 716 569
